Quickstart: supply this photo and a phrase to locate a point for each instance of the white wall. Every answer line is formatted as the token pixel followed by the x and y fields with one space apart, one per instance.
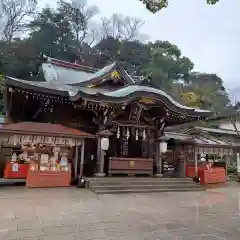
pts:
pixel 53 73
pixel 229 126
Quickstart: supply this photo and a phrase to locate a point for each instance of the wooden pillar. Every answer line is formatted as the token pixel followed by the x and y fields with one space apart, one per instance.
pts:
pixel 102 163
pixel 98 153
pixel 7 99
pixel 158 160
pixel 5 103
pixel 82 158
pixel 76 162
pixel 195 164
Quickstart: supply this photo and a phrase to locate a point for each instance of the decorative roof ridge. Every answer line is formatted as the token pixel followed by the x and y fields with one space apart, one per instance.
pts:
pixel 179 133
pixel 212 138
pixel 125 75
pixel 215 129
pixel 92 79
pixel 200 137
pixel 74 66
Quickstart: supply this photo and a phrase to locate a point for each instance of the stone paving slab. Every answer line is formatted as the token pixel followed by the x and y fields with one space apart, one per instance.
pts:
pixel 74 214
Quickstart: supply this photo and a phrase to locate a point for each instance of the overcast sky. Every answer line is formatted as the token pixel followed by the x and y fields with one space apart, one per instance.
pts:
pixel 208 35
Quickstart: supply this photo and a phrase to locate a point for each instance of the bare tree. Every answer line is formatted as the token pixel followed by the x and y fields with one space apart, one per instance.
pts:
pixel 13 15
pixel 120 27
pixel 79 14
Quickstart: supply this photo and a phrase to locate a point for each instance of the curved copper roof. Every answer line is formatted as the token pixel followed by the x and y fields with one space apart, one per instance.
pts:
pixel 74 81
pixel 123 95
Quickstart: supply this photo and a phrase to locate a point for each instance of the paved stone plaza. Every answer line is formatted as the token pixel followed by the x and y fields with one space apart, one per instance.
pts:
pixel 68 214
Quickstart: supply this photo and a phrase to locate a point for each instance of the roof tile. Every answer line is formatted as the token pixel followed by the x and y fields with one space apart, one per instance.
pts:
pixel 44 128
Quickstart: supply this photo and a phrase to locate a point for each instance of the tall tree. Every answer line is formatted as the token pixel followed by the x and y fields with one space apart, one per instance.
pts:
pixel 166 65
pixel 122 28
pixel 13 16
pixel 156 5
pixel 51 34
pixel 19 59
pixel 205 91
pixel 132 54
pixel 118 39
pixel 64 33
pixel 78 14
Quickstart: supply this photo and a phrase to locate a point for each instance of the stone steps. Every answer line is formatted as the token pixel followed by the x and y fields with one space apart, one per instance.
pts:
pixel 137 185
pixel 118 180
pixel 6 182
pixel 115 191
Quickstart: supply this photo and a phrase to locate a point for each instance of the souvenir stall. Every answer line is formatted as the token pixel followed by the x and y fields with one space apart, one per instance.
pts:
pixel 51 165
pixel 17 167
pixel 209 164
pixel 204 157
pixel 44 158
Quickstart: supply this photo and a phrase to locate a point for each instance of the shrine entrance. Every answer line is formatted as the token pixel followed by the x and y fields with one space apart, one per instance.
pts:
pixel 131 151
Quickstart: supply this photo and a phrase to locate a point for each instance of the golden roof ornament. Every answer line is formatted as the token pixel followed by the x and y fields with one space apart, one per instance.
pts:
pixel 115 75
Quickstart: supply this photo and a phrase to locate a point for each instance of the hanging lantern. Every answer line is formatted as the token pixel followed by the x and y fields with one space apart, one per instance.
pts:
pixel 128 133
pixel 118 132
pixel 104 143
pixel 137 134
pixel 163 147
pixel 144 134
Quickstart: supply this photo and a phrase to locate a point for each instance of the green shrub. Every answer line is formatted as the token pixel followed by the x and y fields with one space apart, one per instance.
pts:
pixel 232 169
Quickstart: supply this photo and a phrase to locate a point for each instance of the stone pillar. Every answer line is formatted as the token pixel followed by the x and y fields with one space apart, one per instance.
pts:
pixel 100 160
pixel 182 159
pixel 101 153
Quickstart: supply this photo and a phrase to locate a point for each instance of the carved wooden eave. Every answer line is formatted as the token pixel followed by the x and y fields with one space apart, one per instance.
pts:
pixel 133 125
pixel 135 113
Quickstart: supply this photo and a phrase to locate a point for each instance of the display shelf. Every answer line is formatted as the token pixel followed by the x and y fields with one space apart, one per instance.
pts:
pixel 48 178
pixel 16 170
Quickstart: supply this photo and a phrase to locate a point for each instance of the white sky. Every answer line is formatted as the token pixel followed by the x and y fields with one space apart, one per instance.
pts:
pixel 208 35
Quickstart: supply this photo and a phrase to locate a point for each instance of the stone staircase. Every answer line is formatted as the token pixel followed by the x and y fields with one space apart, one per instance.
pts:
pixel 113 185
